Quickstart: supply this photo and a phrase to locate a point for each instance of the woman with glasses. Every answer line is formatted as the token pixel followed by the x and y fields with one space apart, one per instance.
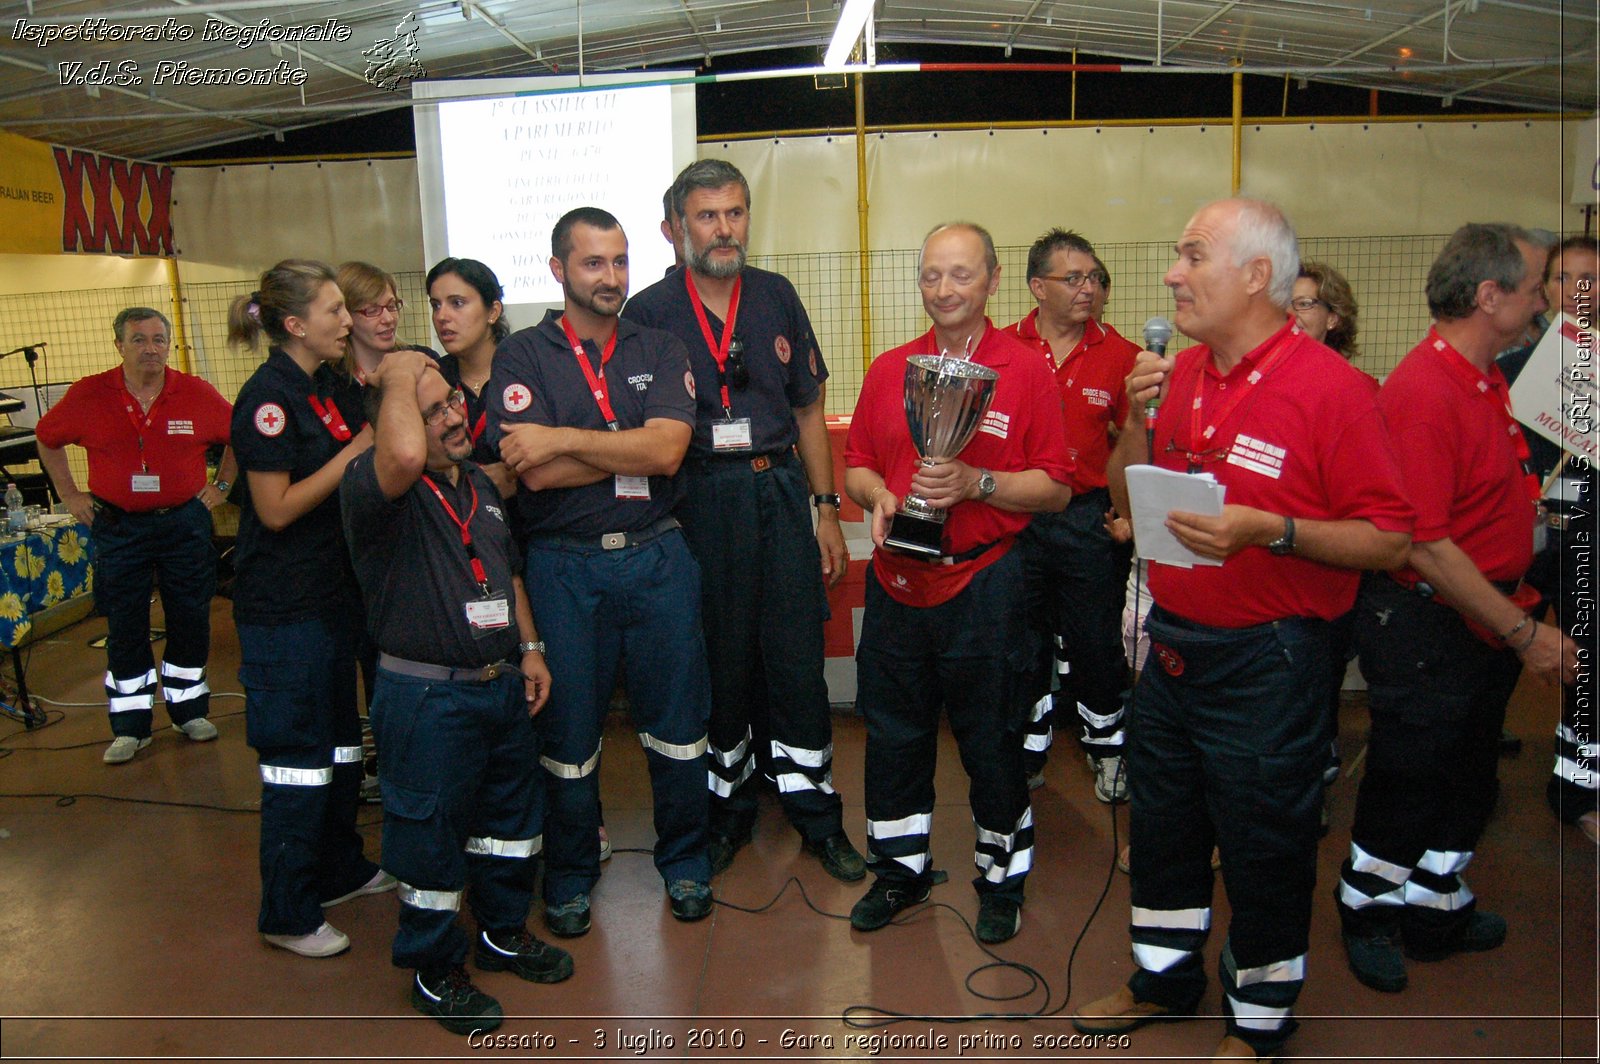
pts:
pixel 296 425
pixel 372 298
pixel 470 320
pixel 1326 307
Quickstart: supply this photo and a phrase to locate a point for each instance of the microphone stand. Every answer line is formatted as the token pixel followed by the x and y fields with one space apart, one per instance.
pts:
pixel 30 355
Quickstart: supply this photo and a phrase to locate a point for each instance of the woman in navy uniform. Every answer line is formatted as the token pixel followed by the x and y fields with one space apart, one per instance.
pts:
pixel 471 321
pixel 297 426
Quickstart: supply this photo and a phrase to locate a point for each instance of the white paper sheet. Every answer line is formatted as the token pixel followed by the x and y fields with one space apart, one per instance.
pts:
pixel 1152 494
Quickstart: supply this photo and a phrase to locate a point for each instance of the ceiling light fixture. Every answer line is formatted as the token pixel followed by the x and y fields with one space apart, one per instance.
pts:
pixel 852 19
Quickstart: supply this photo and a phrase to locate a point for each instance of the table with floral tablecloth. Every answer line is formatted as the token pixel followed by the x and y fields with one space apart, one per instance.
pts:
pixel 42 568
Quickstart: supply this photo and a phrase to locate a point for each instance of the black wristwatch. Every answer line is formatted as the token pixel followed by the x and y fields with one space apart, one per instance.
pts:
pixel 1284 544
pixel 830 499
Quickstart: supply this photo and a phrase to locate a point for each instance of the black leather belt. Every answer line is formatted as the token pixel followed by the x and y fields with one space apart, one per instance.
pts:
pixel 759 463
pixel 424 671
pixel 612 540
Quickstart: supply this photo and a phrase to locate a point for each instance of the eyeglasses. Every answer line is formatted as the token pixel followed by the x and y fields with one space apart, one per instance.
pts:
pixel 737 371
pixel 1078 280
pixel 375 310
pixel 1306 303
pixel 454 401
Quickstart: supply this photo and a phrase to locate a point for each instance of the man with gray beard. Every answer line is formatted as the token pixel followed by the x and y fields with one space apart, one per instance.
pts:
pixel 760 447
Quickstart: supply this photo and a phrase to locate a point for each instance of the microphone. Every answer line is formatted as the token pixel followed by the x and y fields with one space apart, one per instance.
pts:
pixel 1157 331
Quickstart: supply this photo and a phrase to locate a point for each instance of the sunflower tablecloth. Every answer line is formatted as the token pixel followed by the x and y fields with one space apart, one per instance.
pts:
pixel 40 569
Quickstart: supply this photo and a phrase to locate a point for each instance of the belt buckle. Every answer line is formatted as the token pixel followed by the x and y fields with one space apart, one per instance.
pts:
pixel 1557 521
pixel 490 672
pixel 761 463
pixel 614 540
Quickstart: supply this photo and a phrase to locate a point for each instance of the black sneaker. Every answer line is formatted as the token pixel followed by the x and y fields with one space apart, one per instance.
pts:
pixel 887 897
pixel 1376 961
pixel 569 919
pixel 690 900
pixel 520 952
pixel 1479 932
pixel 450 998
pixel 999 918
pixel 839 858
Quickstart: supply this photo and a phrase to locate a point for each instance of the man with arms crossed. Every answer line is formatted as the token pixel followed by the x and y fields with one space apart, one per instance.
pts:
pixel 596 414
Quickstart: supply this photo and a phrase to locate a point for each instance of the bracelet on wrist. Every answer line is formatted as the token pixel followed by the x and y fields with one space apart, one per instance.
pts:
pixel 1519 626
pixel 1533 633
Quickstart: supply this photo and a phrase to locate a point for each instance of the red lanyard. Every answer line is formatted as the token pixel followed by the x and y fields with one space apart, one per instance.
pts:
pixel 478 573
pixel 1486 387
pixel 476 431
pixel 718 351
pixel 131 405
pixel 1199 437
pixel 597 381
pixel 327 412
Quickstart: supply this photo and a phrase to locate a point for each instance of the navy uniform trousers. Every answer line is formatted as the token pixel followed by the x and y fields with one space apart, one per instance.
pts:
pixel 1438 700
pixel 1077 578
pixel 463 808
pixel 763 608
pixel 173 546
pixel 641 603
pixel 968 655
pixel 300 718
pixel 1227 741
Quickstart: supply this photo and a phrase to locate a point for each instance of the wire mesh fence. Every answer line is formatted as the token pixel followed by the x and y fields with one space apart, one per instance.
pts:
pixel 1387 273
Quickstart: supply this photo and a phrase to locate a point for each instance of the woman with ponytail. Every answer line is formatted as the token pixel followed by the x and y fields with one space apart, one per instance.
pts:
pixel 296 425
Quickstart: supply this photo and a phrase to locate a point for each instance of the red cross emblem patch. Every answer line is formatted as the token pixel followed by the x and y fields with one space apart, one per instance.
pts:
pixel 270 420
pixel 1171 662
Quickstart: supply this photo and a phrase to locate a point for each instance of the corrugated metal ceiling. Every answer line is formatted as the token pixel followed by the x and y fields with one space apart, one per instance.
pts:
pixel 1538 55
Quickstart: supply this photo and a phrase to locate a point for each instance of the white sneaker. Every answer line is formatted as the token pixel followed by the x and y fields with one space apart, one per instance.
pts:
pixel 380 882
pixel 325 941
pixel 1110 779
pixel 123 747
pixel 199 729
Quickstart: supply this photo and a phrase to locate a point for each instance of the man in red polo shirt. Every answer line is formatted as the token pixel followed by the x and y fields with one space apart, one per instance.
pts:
pixel 1075 572
pixel 946 632
pixel 1444 639
pixel 146 428
pixel 1229 728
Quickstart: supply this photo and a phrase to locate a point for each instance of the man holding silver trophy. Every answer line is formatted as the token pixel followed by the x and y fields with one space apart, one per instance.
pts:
pixel 964 425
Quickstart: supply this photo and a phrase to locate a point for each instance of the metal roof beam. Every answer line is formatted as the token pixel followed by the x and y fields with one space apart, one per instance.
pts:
pixel 1401 32
pixel 1166 49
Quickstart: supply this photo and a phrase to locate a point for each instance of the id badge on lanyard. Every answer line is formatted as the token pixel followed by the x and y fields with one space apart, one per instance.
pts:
pixel 146 482
pixel 488 614
pixel 632 487
pixel 730 434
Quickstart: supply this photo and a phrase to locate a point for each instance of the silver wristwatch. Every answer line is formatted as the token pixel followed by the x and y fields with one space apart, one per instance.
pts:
pixel 986 484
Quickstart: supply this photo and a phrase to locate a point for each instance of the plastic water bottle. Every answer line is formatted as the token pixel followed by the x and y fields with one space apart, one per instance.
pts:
pixel 16 512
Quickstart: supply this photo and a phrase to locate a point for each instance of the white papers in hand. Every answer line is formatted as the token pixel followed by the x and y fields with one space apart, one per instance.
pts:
pixel 1152 494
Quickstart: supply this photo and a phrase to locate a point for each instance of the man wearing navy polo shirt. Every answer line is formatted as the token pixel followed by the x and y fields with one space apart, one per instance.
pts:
pixel 1076 573
pixel 760 448
pixel 594 415
pixel 1230 727
pixel 146 427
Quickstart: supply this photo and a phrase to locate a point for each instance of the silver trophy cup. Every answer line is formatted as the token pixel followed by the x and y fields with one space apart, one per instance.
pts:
pixel 946 399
